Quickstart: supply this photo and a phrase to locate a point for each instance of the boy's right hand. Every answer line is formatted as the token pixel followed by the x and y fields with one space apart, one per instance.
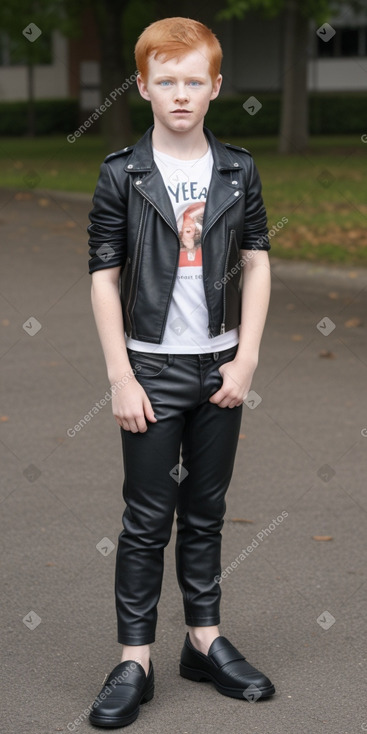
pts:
pixel 131 406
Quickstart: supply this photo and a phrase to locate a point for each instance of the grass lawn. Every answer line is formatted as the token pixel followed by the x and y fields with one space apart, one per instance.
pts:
pixel 322 193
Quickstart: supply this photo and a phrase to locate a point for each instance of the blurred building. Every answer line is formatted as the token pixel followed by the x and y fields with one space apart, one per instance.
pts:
pixel 253 50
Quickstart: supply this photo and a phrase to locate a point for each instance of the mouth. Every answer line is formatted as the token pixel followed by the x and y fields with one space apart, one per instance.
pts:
pixel 181 112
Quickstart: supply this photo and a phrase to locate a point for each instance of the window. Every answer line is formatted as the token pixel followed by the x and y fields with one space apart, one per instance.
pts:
pixel 349 42
pixel 346 42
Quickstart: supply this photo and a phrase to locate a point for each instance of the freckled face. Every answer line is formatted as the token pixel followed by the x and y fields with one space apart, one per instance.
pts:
pixel 180 90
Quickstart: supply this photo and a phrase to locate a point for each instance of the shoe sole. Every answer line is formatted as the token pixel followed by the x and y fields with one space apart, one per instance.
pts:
pixel 109 721
pixel 201 675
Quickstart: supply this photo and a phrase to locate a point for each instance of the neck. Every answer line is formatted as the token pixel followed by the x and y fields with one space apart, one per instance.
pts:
pixel 187 146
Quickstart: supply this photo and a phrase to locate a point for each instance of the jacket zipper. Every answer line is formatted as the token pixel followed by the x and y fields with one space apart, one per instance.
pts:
pixel 223 326
pixel 135 264
pixel 219 214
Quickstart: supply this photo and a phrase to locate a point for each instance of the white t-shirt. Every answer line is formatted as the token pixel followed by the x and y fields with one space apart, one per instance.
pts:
pixel 186 331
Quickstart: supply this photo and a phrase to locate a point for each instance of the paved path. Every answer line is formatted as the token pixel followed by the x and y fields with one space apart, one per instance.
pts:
pixel 295 606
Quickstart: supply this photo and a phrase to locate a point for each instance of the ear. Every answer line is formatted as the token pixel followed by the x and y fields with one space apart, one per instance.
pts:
pixel 142 87
pixel 216 87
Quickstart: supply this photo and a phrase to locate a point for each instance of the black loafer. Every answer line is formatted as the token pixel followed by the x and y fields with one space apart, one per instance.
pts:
pixel 224 665
pixel 126 687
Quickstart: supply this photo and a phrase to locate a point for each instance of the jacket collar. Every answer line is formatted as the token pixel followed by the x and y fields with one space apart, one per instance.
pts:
pixel 142 159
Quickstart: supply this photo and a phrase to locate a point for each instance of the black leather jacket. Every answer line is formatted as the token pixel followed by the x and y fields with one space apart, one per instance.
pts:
pixel 133 226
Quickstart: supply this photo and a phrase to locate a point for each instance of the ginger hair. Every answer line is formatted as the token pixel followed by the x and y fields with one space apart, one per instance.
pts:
pixel 173 38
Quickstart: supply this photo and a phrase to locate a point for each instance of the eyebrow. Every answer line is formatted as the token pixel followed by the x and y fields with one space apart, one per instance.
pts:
pixel 198 77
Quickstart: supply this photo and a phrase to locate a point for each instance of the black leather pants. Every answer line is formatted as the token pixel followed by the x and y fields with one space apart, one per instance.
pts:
pixel 179 387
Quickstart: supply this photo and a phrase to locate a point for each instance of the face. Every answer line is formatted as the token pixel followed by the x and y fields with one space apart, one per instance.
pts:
pixel 179 91
pixel 188 235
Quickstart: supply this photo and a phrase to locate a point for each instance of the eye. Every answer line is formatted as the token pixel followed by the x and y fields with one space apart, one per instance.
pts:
pixel 195 83
pixel 165 82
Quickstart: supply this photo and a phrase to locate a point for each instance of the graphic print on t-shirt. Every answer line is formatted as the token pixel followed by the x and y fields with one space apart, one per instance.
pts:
pixel 190 235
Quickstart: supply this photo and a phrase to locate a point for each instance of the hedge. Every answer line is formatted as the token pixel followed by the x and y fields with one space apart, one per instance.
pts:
pixel 52 116
pixel 330 113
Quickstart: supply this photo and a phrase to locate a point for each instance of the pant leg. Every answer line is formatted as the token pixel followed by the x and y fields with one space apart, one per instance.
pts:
pixel 150 494
pixel 209 446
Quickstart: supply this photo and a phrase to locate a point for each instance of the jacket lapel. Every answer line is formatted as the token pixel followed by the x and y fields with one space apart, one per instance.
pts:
pixel 151 184
pixel 152 187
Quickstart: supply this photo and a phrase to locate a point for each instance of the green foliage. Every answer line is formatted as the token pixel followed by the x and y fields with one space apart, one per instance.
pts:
pixel 240 8
pixel 318 10
pixel 47 15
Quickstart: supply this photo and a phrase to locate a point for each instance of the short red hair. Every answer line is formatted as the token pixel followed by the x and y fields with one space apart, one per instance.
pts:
pixel 172 38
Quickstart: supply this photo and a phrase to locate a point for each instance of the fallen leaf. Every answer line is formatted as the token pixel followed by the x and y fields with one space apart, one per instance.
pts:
pixel 322 537
pixel 5 322
pixel 352 323
pixel 297 337
pixel 23 196
pixel 4 418
pixel 327 355
pixel 290 306
pixel 242 435
pixel 333 295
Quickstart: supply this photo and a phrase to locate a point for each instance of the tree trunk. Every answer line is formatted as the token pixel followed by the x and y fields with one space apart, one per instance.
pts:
pixel 115 121
pixel 294 111
pixel 31 121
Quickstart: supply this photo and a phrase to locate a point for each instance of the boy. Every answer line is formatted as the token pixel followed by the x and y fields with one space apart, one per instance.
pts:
pixel 173 217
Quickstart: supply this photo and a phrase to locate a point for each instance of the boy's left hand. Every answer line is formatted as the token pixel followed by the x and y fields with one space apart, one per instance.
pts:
pixel 237 378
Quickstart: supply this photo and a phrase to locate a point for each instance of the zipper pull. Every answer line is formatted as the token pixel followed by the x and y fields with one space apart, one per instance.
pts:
pixel 223 328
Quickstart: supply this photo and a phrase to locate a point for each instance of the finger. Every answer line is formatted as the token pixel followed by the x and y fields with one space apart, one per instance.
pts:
pixel 223 404
pixel 129 425
pixel 141 424
pixel 217 396
pixel 149 412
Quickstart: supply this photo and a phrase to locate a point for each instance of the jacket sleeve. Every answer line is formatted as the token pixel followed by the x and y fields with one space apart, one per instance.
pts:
pixel 107 230
pixel 255 231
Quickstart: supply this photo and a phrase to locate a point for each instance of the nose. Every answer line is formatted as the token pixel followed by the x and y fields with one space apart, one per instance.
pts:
pixel 181 93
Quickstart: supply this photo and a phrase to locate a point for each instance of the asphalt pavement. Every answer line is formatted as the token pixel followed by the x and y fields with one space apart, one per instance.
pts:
pixel 294 605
